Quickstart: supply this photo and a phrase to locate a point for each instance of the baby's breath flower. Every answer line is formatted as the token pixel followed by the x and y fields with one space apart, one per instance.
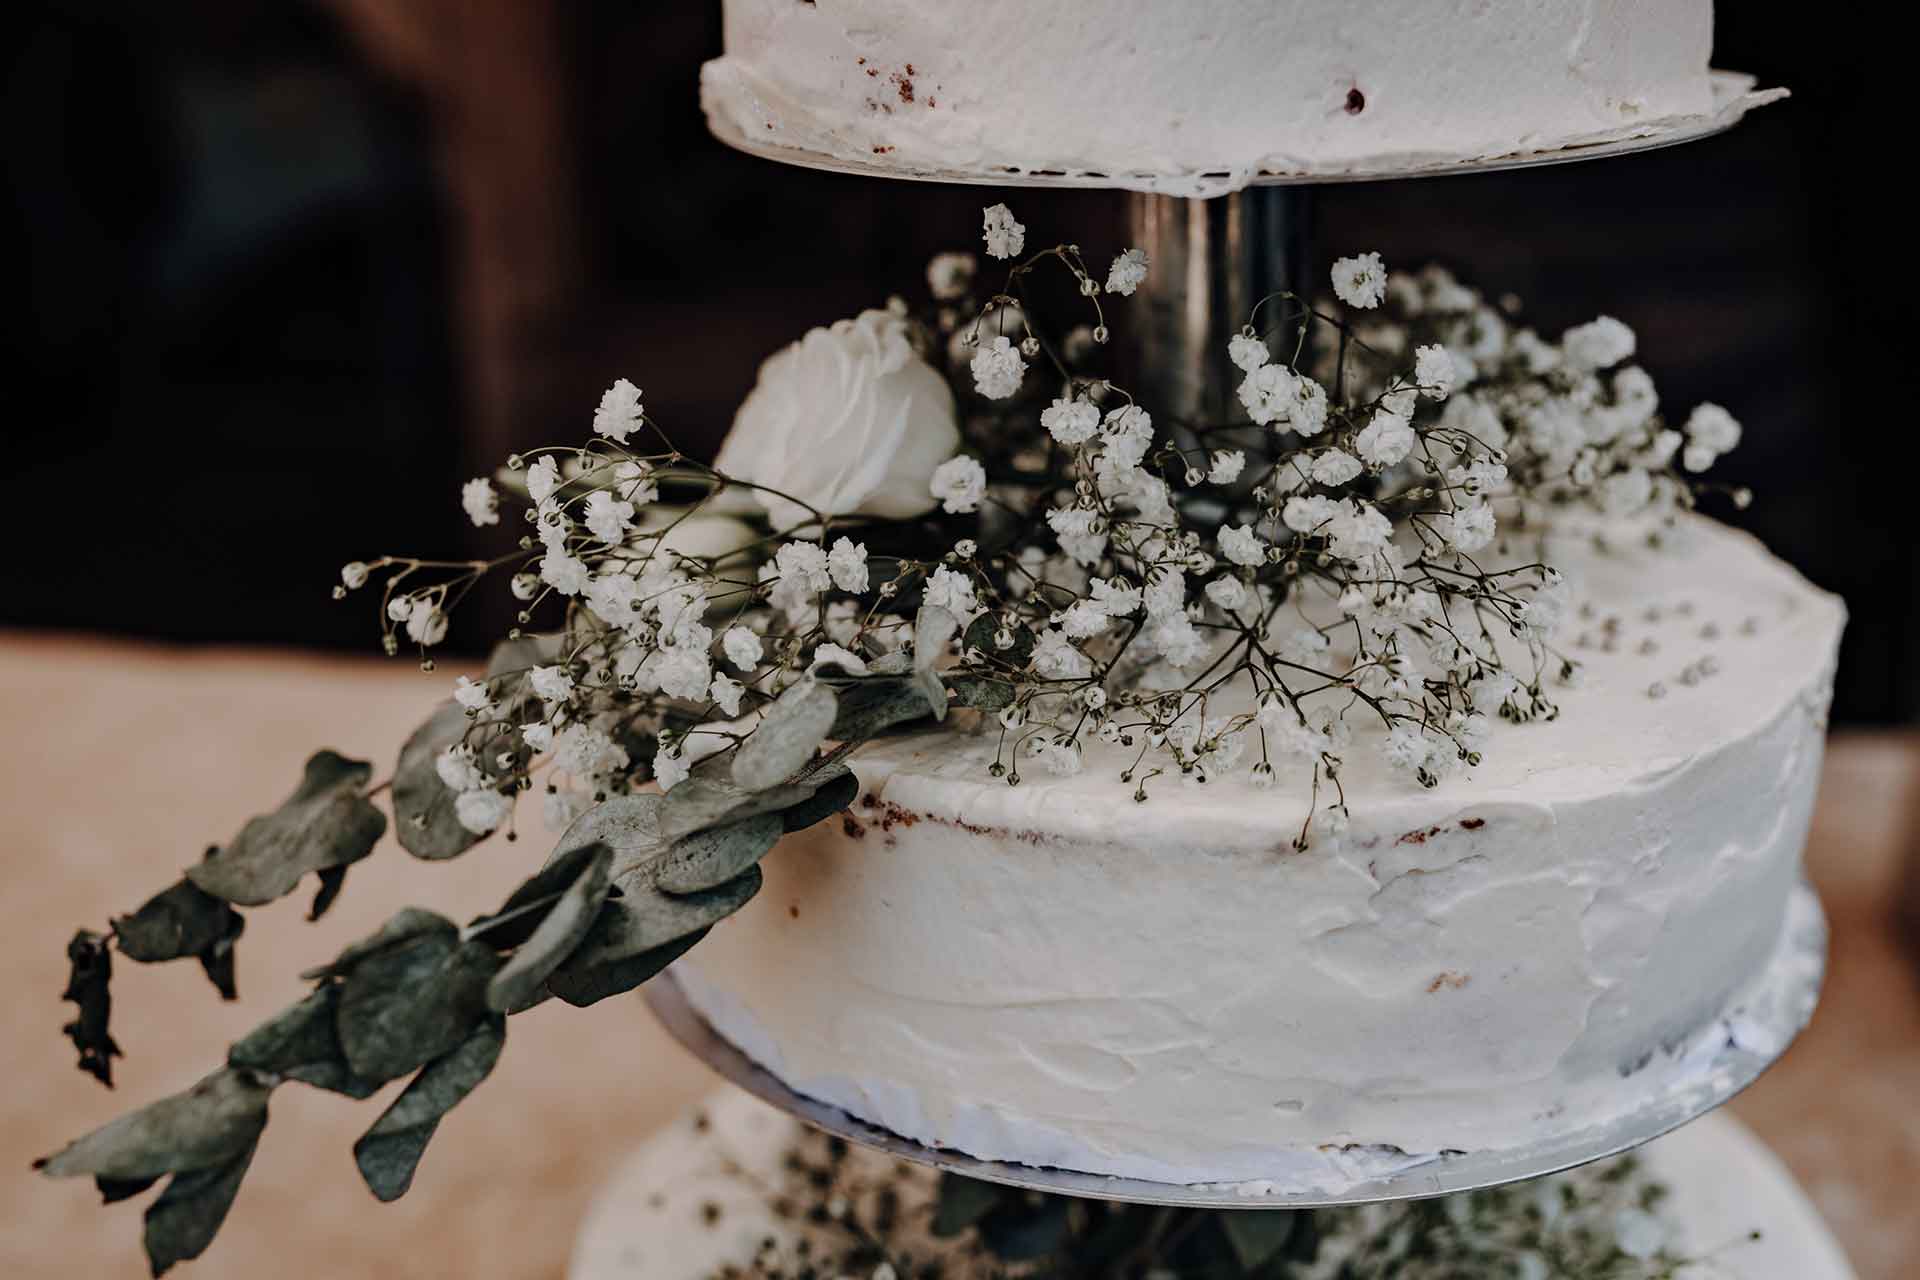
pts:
pixel 950 275
pixel 725 693
pixel 998 369
pixel 847 565
pixel 670 768
pixel 959 483
pixel 1248 350
pixel 1599 344
pixel 1240 544
pixel 1360 281
pixel 1004 236
pixel 1433 368
pixel 354 574
pixel 1226 465
pixel 1129 269
pixel 1071 421
pixel 1383 442
pixel 619 411
pixel 803 563
pixel 482 811
pixel 607 518
pixel 481 502
pixel 471 694
pixel 951 591
pixel 743 648
pixel 543 477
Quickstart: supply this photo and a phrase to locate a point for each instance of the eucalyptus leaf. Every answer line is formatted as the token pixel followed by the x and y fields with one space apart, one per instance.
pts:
pixel 390 1151
pixel 332 880
pixel 978 692
pixel 980 635
pixel 891 664
pixel 406 1004
pixel 870 707
pixel 932 690
pixel 833 796
pixel 423 815
pixel 582 986
pixel 934 628
pixel 301 1043
pixel 326 822
pixel 1257 1235
pixel 789 732
pixel 963 1202
pixel 89 986
pixel 209 1125
pixel 629 825
pixel 646 919
pixel 710 858
pixel 561 928
pixel 183 1220
pixel 217 960
pixel 183 920
pixel 405 924
pixel 704 801
pixel 114 1190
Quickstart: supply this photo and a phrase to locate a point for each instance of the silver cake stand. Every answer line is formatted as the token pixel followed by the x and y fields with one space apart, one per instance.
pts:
pixel 1681 1085
pixel 1213 258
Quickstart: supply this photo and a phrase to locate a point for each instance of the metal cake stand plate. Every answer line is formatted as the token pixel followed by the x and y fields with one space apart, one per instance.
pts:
pixel 1651 1102
pixel 1733 96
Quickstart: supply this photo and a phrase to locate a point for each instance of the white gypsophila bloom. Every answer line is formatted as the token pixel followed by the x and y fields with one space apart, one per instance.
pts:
pixel 607 518
pixel 950 275
pixel 543 477
pixel 1128 434
pixel 1057 756
pixel 1335 467
pixel 582 751
pixel 619 411
pixel 1634 392
pixel 998 368
pixel 1248 351
pixel 1600 343
pixel 538 737
pixel 951 591
pixel 1482 475
pixel 726 693
pixel 1116 597
pixel 560 809
pixel 481 502
pixel 1467 529
pixel 1240 544
pixel 849 420
pixel 551 684
pixel 427 624
pixel 683 671
pixel 1360 281
pixel 1401 398
pixel 615 598
pixel 1385 441
pixel 550 523
pixel 1177 641
pixel 471 694
pixel 354 574
pixel 1303 645
pixel 482 811
pixel 1083 619
pixel 1308 514
pixel 959 483
pixel 1660 450
pixel 847 564
pixel 1711 427
pixel 1227 466
pixel 1005 236
pixel 1227 591
pixel 1071 421
pixel 634 481
pixel 564 573
pixel 1494 690
pixel 1407 747
pixel 1127 272
pixel 1268 393
pixel 1166 592
pixel 833 655
pixel 525 586
pixel 1434 368
pixel 744 649
pixel 1055 658
pixel 1073 526
pixel 1638 1233
pixel 1543 612
pixel 670 767
pixel 1626 493
pixel 1359 530
pixel 458 769
pixel 804 563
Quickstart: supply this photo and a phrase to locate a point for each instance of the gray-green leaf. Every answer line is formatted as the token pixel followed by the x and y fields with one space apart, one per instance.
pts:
pixel 519 982
pixel 835 794
pixel 390 1151
pixel 209 1125
pixel 301 1043
pixel 629 825
pixel 646 919
pixel 183 1220
pixel 181 921
pixel 704 801
pixel 710 858
pixel 589 984
pixel 870 707
pixel 423 812
pixel 327 822
pixel 788 734
pixel 406 1004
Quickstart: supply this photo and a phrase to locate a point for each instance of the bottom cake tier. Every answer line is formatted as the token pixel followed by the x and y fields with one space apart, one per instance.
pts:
pixel 739 1190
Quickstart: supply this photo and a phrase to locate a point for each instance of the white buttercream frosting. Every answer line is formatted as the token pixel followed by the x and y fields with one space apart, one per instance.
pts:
pixel 1054 974
pixel 1224 87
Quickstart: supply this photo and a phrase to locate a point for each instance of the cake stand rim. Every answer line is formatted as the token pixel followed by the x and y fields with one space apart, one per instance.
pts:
pixel 1734 95
pixel 1790 985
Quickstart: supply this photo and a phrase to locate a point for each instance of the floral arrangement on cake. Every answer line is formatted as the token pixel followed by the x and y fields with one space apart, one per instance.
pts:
pixel 919 516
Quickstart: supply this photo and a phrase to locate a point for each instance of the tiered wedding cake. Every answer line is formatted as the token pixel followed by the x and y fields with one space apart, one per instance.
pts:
pixel 1124 87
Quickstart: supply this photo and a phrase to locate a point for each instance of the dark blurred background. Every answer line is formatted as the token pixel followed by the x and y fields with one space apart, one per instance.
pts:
pixel 288 272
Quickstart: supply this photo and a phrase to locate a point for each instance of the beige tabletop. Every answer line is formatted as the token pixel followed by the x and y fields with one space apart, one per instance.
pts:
pixel 122 762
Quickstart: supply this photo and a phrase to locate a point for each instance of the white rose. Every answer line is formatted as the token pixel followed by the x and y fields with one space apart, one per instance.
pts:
pixel 849 420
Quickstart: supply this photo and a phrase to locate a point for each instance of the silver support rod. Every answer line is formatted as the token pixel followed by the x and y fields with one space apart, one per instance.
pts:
pixel 1211 260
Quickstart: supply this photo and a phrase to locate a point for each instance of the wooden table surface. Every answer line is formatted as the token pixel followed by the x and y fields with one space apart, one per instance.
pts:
pixel 123 761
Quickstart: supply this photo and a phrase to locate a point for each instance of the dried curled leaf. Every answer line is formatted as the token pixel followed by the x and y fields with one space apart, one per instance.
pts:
pixel 183 1220
pixel 89 983
pixel 327 822
pixel 563 925
pixel 209 1125
pixel 390 1151
pixel 789 732
pixel 184 920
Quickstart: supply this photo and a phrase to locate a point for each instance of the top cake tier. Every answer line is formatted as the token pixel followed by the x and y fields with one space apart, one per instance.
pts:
pixel 1209 93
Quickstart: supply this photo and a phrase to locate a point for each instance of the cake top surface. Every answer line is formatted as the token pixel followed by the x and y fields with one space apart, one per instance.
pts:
pixel 1680 649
